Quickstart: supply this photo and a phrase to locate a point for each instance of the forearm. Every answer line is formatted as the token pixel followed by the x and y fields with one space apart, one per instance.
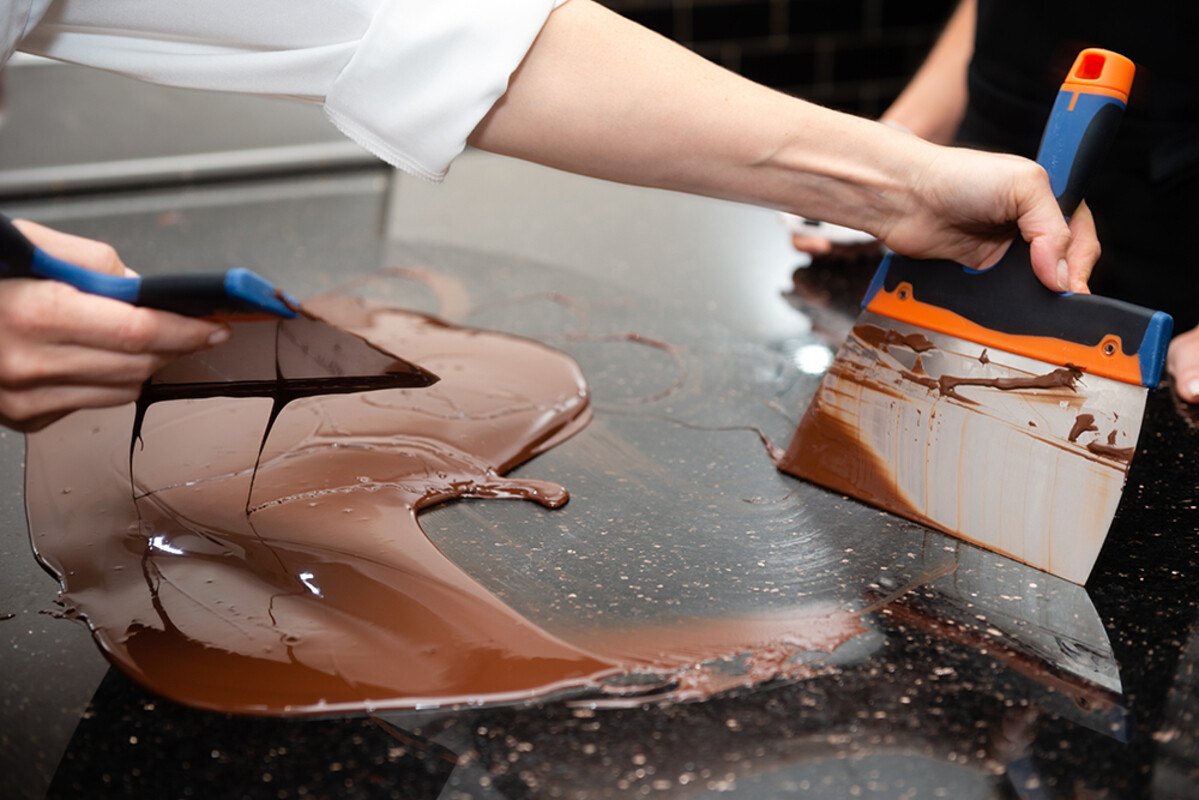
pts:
pixel 604 97
pixel 599 95
pixel 934 101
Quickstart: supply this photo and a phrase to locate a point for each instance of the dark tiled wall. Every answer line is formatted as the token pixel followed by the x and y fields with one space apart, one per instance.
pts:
pixel 854 55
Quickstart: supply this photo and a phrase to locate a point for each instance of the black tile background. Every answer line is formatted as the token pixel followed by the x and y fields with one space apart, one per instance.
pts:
pixel 854 55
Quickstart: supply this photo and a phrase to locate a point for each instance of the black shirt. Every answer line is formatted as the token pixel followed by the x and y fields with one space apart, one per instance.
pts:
pixel 1145 196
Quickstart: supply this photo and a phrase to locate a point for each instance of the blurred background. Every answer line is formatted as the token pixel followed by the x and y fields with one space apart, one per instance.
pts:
pixel 853 55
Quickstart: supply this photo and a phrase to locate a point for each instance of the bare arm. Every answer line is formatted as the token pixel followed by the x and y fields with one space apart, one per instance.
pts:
pixel 602 96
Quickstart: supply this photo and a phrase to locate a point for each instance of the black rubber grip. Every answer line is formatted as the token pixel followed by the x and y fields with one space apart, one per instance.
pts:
pixel 194 294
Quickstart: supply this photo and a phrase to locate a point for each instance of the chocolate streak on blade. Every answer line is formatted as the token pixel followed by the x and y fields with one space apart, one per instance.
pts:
pixel 1110 449
pixel 1065 377
pixel 1083 423
pixel 328 597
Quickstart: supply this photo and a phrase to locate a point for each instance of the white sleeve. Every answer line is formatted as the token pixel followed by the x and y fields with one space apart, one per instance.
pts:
pixel 406 79
pixel 16 18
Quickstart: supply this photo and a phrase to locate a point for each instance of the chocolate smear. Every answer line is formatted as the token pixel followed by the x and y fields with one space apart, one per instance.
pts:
pixel 1064 377
pixel 1110 449
pixel 1082 424
pixel 288 574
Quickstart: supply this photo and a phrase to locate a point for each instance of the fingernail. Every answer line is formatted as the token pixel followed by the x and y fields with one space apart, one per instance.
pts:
pixel 1063 275
pixel 218 336
pixel 1192 391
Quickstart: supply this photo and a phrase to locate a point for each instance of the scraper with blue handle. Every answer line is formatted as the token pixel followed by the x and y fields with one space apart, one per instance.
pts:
pixel 981 403
pixel 236 292
pixel 275 343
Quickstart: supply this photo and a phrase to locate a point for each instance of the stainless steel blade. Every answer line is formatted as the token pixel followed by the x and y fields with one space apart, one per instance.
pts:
pixel 904 420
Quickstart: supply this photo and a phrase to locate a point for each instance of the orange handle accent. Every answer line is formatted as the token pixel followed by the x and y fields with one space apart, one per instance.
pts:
pixel 1106 358
pixel 1098 71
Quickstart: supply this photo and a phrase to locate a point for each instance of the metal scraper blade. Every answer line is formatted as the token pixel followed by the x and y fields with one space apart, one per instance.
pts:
pixel 910 420
pixel 280 359
pixel 303 354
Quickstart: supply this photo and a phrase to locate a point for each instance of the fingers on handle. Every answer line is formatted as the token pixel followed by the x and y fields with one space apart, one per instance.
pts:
pixel 33 409
pixel 54 313
pixel 61 349
pixel 29 365
pixel 1063 255
pixel 88 253
pixel 813 245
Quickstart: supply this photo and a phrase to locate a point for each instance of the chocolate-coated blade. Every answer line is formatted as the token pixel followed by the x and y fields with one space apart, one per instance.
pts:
pixel 1013 454
pixel 303 353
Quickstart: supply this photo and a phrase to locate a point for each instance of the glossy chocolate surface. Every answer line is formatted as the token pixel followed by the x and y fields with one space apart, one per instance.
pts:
pixel 266 557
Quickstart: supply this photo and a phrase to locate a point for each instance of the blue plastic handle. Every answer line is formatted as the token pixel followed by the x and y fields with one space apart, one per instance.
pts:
pixel 44 265
pixel 235 292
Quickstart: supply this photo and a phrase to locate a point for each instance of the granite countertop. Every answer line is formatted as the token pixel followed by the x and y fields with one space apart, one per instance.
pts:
pixel 977 677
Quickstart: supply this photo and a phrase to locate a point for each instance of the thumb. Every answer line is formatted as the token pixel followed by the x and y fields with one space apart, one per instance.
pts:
pixel 88 253
pixel 1044 228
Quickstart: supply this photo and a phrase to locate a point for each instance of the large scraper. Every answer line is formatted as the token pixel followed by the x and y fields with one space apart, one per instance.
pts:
pixel 981 403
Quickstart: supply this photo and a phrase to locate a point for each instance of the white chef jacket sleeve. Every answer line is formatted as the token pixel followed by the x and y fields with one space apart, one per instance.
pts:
pixel 17 17
pixel 406 79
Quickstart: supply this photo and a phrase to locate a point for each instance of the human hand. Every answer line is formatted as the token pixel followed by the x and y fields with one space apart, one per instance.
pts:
pixel 643 110
pixel 967 205
pixel 1182 363
pixel 62 349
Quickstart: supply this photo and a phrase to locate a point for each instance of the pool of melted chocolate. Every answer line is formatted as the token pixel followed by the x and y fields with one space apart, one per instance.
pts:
pixel 262 554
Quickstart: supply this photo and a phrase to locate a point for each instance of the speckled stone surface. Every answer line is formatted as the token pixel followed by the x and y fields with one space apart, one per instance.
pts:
pixel 976 677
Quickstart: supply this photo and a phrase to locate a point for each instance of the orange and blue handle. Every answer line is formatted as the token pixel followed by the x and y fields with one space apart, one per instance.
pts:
pixel 234 293
pixel 1005 306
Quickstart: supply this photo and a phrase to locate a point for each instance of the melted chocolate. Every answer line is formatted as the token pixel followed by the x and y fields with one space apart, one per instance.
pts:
pixel 1082 424
pixel 1110 449
pixel 1066 377
pixel 290 575
pixel 284 360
